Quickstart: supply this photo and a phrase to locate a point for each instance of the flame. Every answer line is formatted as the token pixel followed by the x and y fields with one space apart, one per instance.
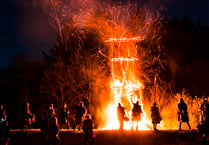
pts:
pixel 124 39
pixel 115 25
pixel 113 123
pixel 112 120
pixel 125 86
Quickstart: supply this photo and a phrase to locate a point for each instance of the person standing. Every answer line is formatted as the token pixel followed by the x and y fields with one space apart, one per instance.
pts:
pixel 203 127
pixel 43 126
pixel 79 113
pixel 183 114
pixel 2 109
pixel 28 117
pixel 136 114
pixel 4 127
pixel 121 115
pixel 155 115
pixel 65 117
pixel 88 126
pixel 53 128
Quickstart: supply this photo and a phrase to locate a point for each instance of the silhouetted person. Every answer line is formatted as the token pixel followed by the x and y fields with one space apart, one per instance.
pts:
pixel 44 125
pixel 79 112
pixel 136 114
pixel 121 115
pixel 88 126
pixel 51 109
pixel 29 118
pixel 203 127
pixel 4 128
pixel 65 117
pixel 1 110
pixel 183 114
pixel 155 115
pixel 53 129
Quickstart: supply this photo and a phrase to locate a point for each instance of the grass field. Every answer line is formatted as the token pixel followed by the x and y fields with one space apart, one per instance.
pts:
pixel 165 137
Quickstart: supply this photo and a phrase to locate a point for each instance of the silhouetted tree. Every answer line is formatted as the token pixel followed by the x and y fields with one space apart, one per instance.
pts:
pixel 73 65
pixel 155 71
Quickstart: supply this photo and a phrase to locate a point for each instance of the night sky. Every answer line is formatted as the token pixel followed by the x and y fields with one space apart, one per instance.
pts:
pixel 26 29
pixel 25 26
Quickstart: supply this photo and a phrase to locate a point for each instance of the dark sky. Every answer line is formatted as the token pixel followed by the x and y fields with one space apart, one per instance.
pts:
pixel 25 27
pixel 195 9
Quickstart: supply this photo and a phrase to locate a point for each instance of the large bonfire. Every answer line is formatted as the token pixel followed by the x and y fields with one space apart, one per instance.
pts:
pixel 125 62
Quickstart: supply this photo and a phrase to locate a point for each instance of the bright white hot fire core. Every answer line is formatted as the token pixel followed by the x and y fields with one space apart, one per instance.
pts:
pixel 125 86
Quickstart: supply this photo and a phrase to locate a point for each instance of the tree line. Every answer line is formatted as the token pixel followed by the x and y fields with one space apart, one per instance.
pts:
pixel 71 69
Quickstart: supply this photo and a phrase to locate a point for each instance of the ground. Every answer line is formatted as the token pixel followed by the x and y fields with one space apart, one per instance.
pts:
pixel 165 137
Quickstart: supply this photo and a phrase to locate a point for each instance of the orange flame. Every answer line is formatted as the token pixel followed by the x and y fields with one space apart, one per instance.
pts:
pixel 114 25
pixel 125 85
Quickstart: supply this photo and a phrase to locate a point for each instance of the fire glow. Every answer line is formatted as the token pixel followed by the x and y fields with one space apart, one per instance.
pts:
pixel 125 86
pixel 115 71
